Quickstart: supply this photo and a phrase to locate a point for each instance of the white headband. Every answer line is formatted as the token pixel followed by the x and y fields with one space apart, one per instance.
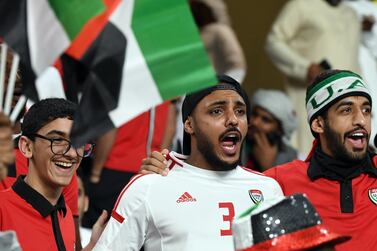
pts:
pixel 332 88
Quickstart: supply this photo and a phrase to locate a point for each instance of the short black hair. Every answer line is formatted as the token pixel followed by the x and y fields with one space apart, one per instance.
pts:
pixel 45 111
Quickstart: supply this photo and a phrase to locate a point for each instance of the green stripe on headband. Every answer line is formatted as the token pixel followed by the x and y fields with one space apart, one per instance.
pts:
pixel 332 88
pixel 328 80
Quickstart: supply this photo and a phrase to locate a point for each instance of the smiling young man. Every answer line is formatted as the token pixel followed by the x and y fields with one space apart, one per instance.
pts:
pixel 192 208
pixel 13 163
pixel 34 206
pixel 340 175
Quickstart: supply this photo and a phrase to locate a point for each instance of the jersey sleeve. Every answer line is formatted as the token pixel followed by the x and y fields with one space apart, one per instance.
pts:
pixel 71 195
pixel 277 191
pixel 273 173
pixel 128 224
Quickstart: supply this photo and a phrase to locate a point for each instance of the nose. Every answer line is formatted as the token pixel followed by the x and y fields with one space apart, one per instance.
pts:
pixel 232 119
pixel 72 152
pixel 359 118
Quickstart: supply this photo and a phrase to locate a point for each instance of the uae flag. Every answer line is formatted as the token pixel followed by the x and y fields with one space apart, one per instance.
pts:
pixel 41 30
pixel 164 58
pixel 123 57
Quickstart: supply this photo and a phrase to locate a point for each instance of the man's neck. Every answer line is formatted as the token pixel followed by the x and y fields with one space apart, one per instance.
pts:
pixel 199 161
pixel 46 190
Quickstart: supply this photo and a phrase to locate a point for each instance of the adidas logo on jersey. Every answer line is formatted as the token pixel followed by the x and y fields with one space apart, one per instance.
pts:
pixel 186 197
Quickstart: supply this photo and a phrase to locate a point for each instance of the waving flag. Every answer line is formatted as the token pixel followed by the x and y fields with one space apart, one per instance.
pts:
pixel 124 56
pixel 41 30
pixel 164 59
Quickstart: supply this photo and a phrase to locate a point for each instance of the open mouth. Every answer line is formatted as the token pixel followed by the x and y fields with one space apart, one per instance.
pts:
pixel 64 165
pixel 229 141
pixel 358 139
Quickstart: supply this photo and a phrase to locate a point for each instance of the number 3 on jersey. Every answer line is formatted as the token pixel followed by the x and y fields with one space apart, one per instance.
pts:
pixel 227 217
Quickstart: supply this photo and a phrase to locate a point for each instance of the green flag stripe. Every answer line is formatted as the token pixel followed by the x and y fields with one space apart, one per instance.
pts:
pixel 73 14
pixel 169 39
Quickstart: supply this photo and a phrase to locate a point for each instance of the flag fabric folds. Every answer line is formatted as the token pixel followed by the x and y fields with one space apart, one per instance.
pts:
pixel 40 31
pixel 164 58
pixel 124 56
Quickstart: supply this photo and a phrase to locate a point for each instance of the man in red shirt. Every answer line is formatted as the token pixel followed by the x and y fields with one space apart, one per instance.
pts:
pixel 13 163
pixel 340 175
pixel 34 206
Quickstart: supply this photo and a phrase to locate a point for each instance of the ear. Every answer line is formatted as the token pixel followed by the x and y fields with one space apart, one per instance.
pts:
pixel 26 146
pixel 318 125
pixel 189 125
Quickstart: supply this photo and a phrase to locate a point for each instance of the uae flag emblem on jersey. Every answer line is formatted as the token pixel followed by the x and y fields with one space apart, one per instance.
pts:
pixel 373 195
pixel 256 196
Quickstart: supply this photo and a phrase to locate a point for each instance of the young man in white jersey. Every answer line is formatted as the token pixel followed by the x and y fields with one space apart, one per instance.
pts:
pixel 192 208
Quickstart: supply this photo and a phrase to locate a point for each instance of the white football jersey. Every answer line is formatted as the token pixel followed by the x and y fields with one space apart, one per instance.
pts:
pixel 191 209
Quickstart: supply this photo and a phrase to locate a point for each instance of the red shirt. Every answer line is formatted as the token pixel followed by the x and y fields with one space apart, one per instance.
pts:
pixel 70 192
pixel 130 145
pixel 30 215
pixel 325 196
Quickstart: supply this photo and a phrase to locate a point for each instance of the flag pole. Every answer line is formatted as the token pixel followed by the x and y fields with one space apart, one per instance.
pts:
pixel 3 63
pixel 11 83
pixel 17 109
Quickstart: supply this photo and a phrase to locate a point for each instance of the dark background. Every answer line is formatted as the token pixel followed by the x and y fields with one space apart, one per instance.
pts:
pixel 251 21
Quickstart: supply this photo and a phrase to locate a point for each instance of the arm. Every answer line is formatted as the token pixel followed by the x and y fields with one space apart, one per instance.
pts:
pixel 129 222
pixel 103 148
pixel 170 127
pixel 284 29
pixel 155 163
pixel 97 230
pixel 6 145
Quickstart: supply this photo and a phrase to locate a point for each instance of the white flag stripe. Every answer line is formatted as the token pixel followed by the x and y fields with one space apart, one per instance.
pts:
pixel 50 84
pixel 11 83
pixel 46 36
pixel 138 89
pixel 18 108
pixel 3 64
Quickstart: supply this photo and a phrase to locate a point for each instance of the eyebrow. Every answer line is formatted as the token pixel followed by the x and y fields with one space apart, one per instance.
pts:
pixel 223 102
pixel 366 103
pixel 60 133
pixel 345 103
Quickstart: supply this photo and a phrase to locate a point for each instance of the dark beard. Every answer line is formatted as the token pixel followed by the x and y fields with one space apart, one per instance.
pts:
pixel 339 151
pixel 205 147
